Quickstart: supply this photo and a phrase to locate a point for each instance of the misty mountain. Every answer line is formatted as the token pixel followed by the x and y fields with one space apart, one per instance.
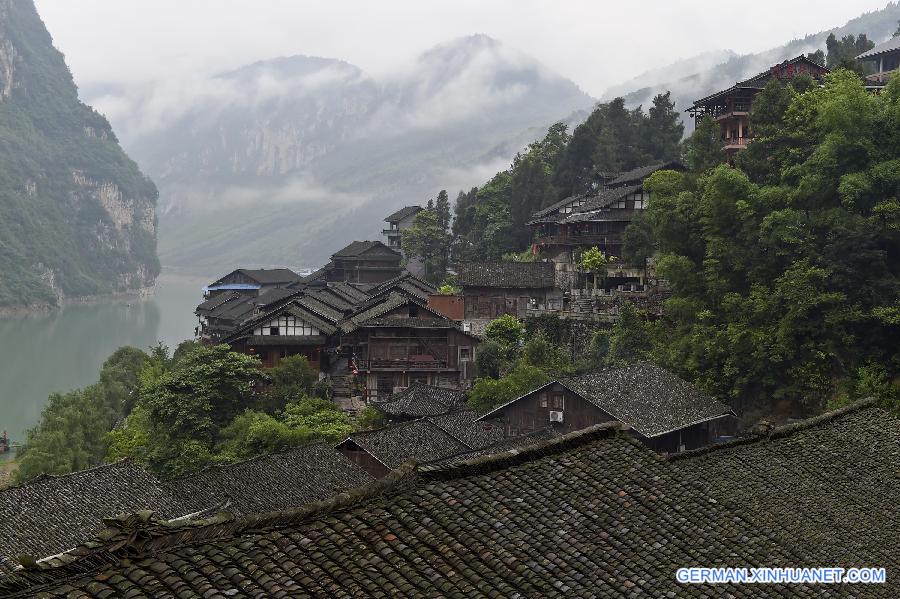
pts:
pixel 77 217
pixel 696 78
pixel 284 161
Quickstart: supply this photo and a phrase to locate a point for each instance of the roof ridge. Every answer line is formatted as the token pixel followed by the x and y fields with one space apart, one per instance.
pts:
pixel 141 533
pixel 781 431
pixel 257 457
pixel 47 476
pixel 485 464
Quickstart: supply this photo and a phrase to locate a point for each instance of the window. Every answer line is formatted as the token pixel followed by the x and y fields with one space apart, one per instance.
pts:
pixel 543 403
pixel 465 353
pixel 274 331
pixel 556 402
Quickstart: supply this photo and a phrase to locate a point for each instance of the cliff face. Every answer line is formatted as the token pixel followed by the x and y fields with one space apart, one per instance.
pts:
pixel 77 217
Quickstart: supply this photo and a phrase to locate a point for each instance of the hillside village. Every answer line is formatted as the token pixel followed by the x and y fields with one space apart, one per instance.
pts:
pixel 599 481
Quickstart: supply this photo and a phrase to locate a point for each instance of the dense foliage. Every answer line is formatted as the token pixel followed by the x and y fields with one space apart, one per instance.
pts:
pixel 50 224
pixel 70 434
pixel 490 221
pixel 201 405
pixel 786 270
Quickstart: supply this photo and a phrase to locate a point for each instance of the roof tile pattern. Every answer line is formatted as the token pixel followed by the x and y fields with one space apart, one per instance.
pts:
pixel 595 515
pixel 51 514
pixel 512 275
pixel 418 440
pixel 832 483
pixel 420 400
pixel 272 482
pixel 648 398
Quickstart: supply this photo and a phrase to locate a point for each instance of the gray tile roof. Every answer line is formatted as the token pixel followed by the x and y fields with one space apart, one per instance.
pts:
pixel 404 212
pixel 891 45
pixel 277 481
pixel 511 275
pixel 463 426
pixel 51 514
pixel 593 514
pixel 418 440
pixel 217 301
pixel 649 399
pixel 271 276
pixel 642 172
pixel 420 400
pixel 358 248
pixel 832 483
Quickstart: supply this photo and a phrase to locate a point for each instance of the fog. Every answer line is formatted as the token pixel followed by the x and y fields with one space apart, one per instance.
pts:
pixel 596 44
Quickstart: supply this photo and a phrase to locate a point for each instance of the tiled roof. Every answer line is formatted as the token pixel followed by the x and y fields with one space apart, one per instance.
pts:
pixel 381 307
pixel 402 213
pixel 313 302
pixel 593 514
pixel 271 276
pixel 832 483
pixel 650 399
pixel 418 440
pixel 270 297
pixel 513 275
pixel 891 45
pixel 358 248
pixel 463 426
pixel 552 208
pixel 217 300
pixel 407 284
pixel 271 482
pixel 51 514
pixel 348 292
pixel 757 81
pixel 642 172
pixel 420 400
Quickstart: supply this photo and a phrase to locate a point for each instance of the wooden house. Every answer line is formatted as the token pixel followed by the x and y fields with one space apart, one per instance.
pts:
pixel 296 328
pixel 665 412
pixel 885 60
pixel 252 281
pixel 731 107
pixel 397 341
pixel 598 219
pixel 492 289
pixel 361 262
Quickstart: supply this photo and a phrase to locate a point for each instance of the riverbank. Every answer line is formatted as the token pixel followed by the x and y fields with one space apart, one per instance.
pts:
pixel 42 309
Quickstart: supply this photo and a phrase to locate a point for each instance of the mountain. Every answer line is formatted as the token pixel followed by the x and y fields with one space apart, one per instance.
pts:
pixel 284 161
pixel 77 217
pixel 697 78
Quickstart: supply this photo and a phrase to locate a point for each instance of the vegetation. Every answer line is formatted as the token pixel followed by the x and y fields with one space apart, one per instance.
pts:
pixel 48 220
pixel 785 270
pixel 429 238
pixel 508 369
pixel 201 405
pixel 490 221
pixel 594 261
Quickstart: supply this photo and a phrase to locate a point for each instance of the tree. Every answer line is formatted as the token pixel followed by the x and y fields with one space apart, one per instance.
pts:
pixel 442 209
pixel 71 433
pixel 292 379
pixel 630 340
pixel 488 393
pixel 429 240
pixel 594 261
pixel 663 129
pixel 703 149
pixel 505 329
pixel 842 52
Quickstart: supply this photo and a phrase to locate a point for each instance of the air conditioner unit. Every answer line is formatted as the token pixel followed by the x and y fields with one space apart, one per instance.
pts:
pixel 467 327
pixel 556 416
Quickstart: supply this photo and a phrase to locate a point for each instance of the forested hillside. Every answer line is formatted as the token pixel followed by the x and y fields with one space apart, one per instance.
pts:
pixel 77 217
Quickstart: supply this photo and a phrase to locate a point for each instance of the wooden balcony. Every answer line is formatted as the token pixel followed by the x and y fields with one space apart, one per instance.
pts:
pixel 736 143
pixel 412 362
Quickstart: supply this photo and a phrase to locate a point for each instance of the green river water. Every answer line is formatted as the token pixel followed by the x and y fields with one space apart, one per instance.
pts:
pixel 63 350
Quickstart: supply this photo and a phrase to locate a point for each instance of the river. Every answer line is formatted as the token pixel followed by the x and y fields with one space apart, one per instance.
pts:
pixel 63 350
